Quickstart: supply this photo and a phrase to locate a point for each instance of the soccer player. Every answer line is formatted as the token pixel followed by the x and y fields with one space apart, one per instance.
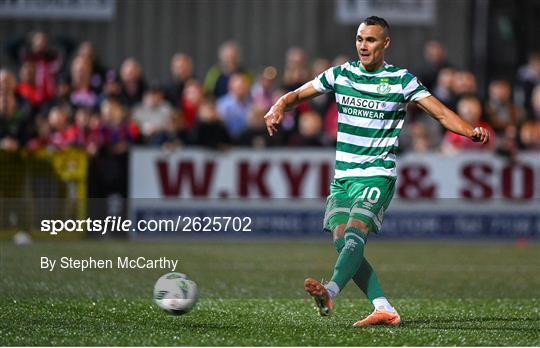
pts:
pixel 371 96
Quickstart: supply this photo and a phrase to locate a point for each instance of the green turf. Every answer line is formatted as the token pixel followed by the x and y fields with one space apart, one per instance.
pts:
pixel 251 294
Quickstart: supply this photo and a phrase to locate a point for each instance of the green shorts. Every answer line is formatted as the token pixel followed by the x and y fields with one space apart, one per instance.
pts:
pixel 364 199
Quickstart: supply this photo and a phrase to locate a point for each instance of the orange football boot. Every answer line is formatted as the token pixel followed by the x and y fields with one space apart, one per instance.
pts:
pixel 379 317
pixel 320 295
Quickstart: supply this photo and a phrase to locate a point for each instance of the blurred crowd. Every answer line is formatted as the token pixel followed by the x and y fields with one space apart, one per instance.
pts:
pixel 62 97
pixel 510 108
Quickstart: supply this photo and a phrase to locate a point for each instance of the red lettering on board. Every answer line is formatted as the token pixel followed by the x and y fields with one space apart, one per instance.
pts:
pixel 414 183
pixel 199 184
pixel 477 177
pixel 295 177
pixel 527 181
pixel 252 175
pixel 325 173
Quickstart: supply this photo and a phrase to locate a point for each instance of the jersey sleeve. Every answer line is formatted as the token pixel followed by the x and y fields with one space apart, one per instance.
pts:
pixel 324 83
pixel 413 89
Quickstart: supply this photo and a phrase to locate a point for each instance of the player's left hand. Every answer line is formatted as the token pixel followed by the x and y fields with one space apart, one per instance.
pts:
pixel 480 135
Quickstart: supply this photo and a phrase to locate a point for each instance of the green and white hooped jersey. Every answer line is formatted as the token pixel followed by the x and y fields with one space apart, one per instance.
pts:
pixel 371 107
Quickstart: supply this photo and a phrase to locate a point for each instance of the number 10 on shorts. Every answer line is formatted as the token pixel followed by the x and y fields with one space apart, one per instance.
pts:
pixel 372 194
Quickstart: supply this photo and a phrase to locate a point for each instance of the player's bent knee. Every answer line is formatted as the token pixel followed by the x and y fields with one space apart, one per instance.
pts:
pixel 339 231
pixel 358 224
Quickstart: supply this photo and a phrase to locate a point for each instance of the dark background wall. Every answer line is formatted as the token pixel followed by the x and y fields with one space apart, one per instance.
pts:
pixel 152 31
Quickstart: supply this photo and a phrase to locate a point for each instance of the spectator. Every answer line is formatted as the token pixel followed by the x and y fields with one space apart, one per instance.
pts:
pixel 501 111
pixel 85 132
pixel 46 60
pixel 112 87
pixel 470 109
pixel 264 93
pixel 132 85
pixel 8 86
pixel 26 88
pixel 174 135
pixel 8 82
pixel 528 76
pixel 420 131
pixel 82 94
pixel 192 98
pixel 109 169
pixel 309 131
pixel 119 130
pixel 463 84
pixel 416 138
pixel 296 70
pixel 216 82
pixel 12 123
pixel 87 51
pixel 443 86
pixel 234 106
pixel 95 135
pixel 77 130
pixel 256 135
pixel 529 135
pixel 58 123
pixel 503 116
pixel 434 61
pixel 62 97
pixel 322 103
pixel 210 131
pixel 534 113
pixel 152 114
pixel 296 74
pixel 181 73
pixel 507 143
pixel 42 134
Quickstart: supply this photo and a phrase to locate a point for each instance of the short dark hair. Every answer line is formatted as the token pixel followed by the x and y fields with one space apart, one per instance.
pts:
pixel 374 20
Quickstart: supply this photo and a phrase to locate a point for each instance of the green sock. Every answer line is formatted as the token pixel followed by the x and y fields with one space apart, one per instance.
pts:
pixel 365 278
pixel 350 258
pixel 339 244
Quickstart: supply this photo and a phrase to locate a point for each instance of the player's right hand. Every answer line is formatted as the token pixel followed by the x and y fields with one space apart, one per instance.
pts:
pixel 480 135
pixel 272 119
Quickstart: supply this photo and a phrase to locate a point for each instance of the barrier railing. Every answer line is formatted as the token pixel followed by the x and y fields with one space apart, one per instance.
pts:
pixel 41 185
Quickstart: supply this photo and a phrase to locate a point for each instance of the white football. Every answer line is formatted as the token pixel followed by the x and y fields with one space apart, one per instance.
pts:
pixel 175 293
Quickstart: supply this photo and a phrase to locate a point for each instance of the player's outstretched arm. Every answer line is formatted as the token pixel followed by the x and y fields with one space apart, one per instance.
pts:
pixel 451 121
pixel 274 116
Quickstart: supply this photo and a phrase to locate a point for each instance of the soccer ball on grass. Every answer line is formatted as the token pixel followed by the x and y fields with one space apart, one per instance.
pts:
pixel 175 293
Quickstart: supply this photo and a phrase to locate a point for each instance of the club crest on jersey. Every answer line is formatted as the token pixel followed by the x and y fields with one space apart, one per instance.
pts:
pixel 384 86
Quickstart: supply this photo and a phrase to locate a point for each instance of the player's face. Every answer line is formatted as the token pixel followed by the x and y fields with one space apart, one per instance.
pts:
pixel 371 41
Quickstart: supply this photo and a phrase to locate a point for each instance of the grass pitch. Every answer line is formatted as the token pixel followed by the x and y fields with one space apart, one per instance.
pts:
pixel 251 294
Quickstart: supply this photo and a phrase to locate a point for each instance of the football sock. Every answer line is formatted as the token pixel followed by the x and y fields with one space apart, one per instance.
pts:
pixel 365 277
pixel 339 243
pixel 332 288
pixel 381 303
pixel 350 258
